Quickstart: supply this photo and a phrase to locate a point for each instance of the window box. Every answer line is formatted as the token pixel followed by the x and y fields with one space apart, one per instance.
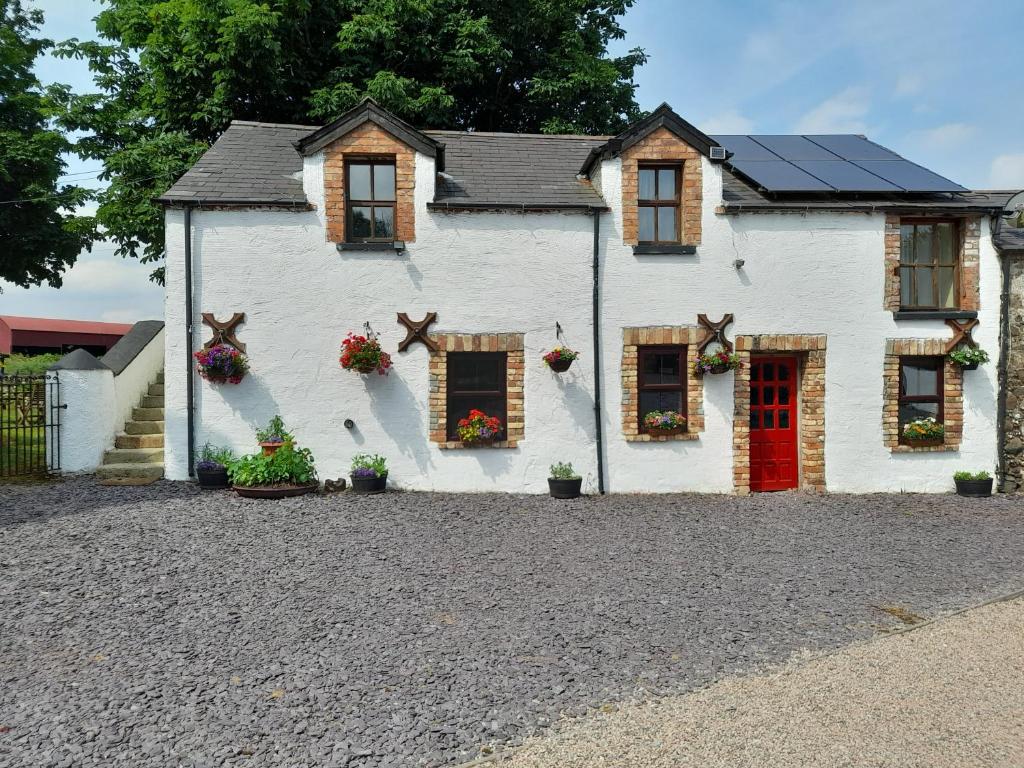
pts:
pixel 664 249
pixel 393 245
pixel 666 432
pixel 934 314
pixel 925 442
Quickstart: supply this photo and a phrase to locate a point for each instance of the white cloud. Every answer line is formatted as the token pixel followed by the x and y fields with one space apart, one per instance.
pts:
pixel 842 113
pixel 1007 172
pixel 944 136
pixel 909 83
pixel 730 121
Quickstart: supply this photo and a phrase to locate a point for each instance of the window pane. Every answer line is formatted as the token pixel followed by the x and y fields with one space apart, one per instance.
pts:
pixel 660 401
pixel 755 372
pixel 661 369
pixel 907 243
pixel 667 184
pixel 944 233
pixel 907 286
pixel 646 215
pixel 913 411
pixel 768 371
pixel 783 371
pixel 359 182
pixel 667 224
pixel 646 184
pixel 947 297
pixel 384 221
pixel 925 290
pixel 755 420
pixel 920 379
pixel 923 243
pixel 769 395
pixel 361 221
pixel 755 396
pixel 783 395
pixel 783 419
pixel 769 419
pixel 473 371
pixel 384 182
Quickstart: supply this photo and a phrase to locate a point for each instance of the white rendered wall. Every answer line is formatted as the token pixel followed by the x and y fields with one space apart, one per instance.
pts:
pixel 87 424
pixel 133 382
pixel 487 272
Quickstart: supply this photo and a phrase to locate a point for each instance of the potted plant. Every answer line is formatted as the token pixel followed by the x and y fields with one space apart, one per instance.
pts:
pixel 973 484
pixel 212 467
pixel 273 436
pixel 969 358
pixel 288 471
pixel 664 423
pixel 369 473
pixel 923 432
pixel 560 359
pixel 479 429
pixel 564 483
pixel 221 364
pixel 717 362
pixel 364 355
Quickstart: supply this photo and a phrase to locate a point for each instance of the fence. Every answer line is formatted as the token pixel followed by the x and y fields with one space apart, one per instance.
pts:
pixel 29 424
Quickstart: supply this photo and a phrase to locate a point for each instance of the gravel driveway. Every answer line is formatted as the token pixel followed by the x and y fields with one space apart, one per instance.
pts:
pixel 159 626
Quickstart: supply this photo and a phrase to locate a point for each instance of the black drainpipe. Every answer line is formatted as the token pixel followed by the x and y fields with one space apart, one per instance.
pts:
pixel 190 395
pixel 1002 374
pixel 597 349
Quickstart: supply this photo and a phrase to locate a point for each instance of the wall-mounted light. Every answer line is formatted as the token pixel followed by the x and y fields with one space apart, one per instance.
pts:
pixel 738 263
pixel 349 424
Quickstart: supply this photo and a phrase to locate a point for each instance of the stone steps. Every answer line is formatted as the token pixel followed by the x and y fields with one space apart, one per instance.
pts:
pixel 147 414
pixel 129 473
pixel 137 457
pixel 125 440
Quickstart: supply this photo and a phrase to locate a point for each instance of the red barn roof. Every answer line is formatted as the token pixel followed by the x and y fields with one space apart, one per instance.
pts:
pixel 16 323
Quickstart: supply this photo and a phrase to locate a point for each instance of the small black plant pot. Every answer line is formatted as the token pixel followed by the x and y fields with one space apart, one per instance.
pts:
pixel 969 366
pixel 975 489
pixel 564 489
pixel 369 484
pixel 213 479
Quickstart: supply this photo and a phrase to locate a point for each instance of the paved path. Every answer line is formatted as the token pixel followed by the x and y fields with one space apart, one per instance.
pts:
pixel 946 695
pixel 160 626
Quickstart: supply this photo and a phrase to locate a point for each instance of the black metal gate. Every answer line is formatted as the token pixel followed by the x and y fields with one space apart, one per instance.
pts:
pixel 29 424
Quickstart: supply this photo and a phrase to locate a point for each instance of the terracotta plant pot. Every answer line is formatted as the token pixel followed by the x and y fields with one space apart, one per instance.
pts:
pixel 561 365
pixel 213 479
pixel 274 491
pixel 565 489
pixel 369 485
pixel 974 489
pixel 665 432
pixel 269 448
pixel 924 442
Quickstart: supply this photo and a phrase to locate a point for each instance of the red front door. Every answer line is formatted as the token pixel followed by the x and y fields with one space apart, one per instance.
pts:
pixel 773 418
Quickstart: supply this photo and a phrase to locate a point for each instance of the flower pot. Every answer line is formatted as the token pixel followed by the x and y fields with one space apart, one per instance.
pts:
pixel 213 479
pixel 969 366
pixel 924 442
pixel 564 489
pixel 975 489
pixel 280 491
pixel 665 432
pixel 269 448
pixel 560 366
pixel 369 484
pixel 720 368
pixel 481 442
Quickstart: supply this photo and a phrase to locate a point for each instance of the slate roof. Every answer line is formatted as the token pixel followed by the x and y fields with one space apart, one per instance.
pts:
pixel 1010 238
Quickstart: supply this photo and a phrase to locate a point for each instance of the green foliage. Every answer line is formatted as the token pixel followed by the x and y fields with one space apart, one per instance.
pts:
pixel 983 475
pixel 212 454
pixel 286 465
pixel 968 355
pixel 39 239
pixel 562 471
pixel 171 75
pixel 26 365
pixel 363 463
pixel 274 432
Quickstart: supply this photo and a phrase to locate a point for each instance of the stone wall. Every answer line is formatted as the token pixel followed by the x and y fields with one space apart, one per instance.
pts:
pixel 1013 422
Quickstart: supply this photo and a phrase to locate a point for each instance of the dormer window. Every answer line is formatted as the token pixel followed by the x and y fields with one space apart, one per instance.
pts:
pixel 370 194
pixel 658 203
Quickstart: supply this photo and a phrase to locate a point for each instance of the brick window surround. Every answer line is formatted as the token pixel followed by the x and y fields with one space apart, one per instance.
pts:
pixel 510 343
pixel 663 146
pixel 952 394
pixel 369 139
pixel 664 335
pixel 970 237
pixel 810 354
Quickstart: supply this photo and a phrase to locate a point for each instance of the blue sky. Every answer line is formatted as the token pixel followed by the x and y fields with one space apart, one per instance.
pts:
pixel 937 81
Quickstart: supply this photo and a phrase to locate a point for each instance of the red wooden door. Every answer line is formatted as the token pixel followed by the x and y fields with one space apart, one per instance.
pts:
pixel 773 419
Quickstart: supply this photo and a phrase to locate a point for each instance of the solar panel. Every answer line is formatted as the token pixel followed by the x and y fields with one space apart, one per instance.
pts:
pixel 846 177
pixel 910 176
pixel 794 148
pixel 850 147
pixel 779 176
pixel 745 148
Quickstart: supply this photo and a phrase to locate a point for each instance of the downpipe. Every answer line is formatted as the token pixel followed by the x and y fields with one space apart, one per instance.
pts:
pixel 597 349
pixel 189 368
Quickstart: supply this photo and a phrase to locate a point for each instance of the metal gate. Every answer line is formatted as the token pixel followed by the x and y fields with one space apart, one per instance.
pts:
pixel 29 424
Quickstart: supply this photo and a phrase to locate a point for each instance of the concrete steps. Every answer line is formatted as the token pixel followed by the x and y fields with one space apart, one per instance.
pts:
pixel 137 457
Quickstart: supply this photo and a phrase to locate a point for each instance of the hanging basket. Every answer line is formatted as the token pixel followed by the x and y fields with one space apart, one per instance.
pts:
pixel 560 366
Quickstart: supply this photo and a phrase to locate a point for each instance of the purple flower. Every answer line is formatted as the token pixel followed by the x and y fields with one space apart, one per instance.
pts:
pixel 364 472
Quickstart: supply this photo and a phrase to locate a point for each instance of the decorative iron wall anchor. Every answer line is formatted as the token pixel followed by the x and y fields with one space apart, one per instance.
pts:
pixel 714 332
pixel 961 334
pixel 417 331
pixel 224 332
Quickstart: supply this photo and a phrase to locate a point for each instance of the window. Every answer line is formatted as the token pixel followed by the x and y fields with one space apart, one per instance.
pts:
pixel 371 199
pixel 661 380
pixel 929 256
pixel 658 203
pixel 475 380
pixel 920 389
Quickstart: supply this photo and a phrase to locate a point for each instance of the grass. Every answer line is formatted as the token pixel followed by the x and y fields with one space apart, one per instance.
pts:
pixel 22 449
pixel 26 365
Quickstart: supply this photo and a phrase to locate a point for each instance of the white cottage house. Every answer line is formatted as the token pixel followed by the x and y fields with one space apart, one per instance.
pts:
pixel 847 272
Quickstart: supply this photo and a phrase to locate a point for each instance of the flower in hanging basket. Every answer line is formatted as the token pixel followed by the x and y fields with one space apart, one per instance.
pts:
pixel 717 362
pixel 560 358
pixel 221 364
pixel 664 422
pixel 926 429
pixel 363 354
pixel 969 357
pixel 478 427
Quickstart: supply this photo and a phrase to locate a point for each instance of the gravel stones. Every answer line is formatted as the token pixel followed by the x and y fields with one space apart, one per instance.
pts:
pixel 159 625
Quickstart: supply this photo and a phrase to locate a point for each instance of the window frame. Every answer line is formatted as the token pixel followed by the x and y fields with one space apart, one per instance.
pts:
pixel 350 202
pixel 661 349
pixel 452 425
pixel 934 265
pixel 676 201
pixel 940 388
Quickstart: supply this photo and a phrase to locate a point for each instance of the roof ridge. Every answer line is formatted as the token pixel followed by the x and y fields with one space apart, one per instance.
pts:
pixel 519 135
pixel 263 124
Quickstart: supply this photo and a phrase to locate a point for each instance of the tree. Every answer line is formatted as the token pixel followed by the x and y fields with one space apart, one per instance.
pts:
pixel 38 238
pixel 173 74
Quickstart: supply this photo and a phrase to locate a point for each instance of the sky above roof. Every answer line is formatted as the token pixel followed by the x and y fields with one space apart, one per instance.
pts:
pixel 934 80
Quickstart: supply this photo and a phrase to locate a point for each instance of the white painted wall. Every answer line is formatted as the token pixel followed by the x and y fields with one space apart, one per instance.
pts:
pixel 87 424
pixel 133 382
pixel 488 272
